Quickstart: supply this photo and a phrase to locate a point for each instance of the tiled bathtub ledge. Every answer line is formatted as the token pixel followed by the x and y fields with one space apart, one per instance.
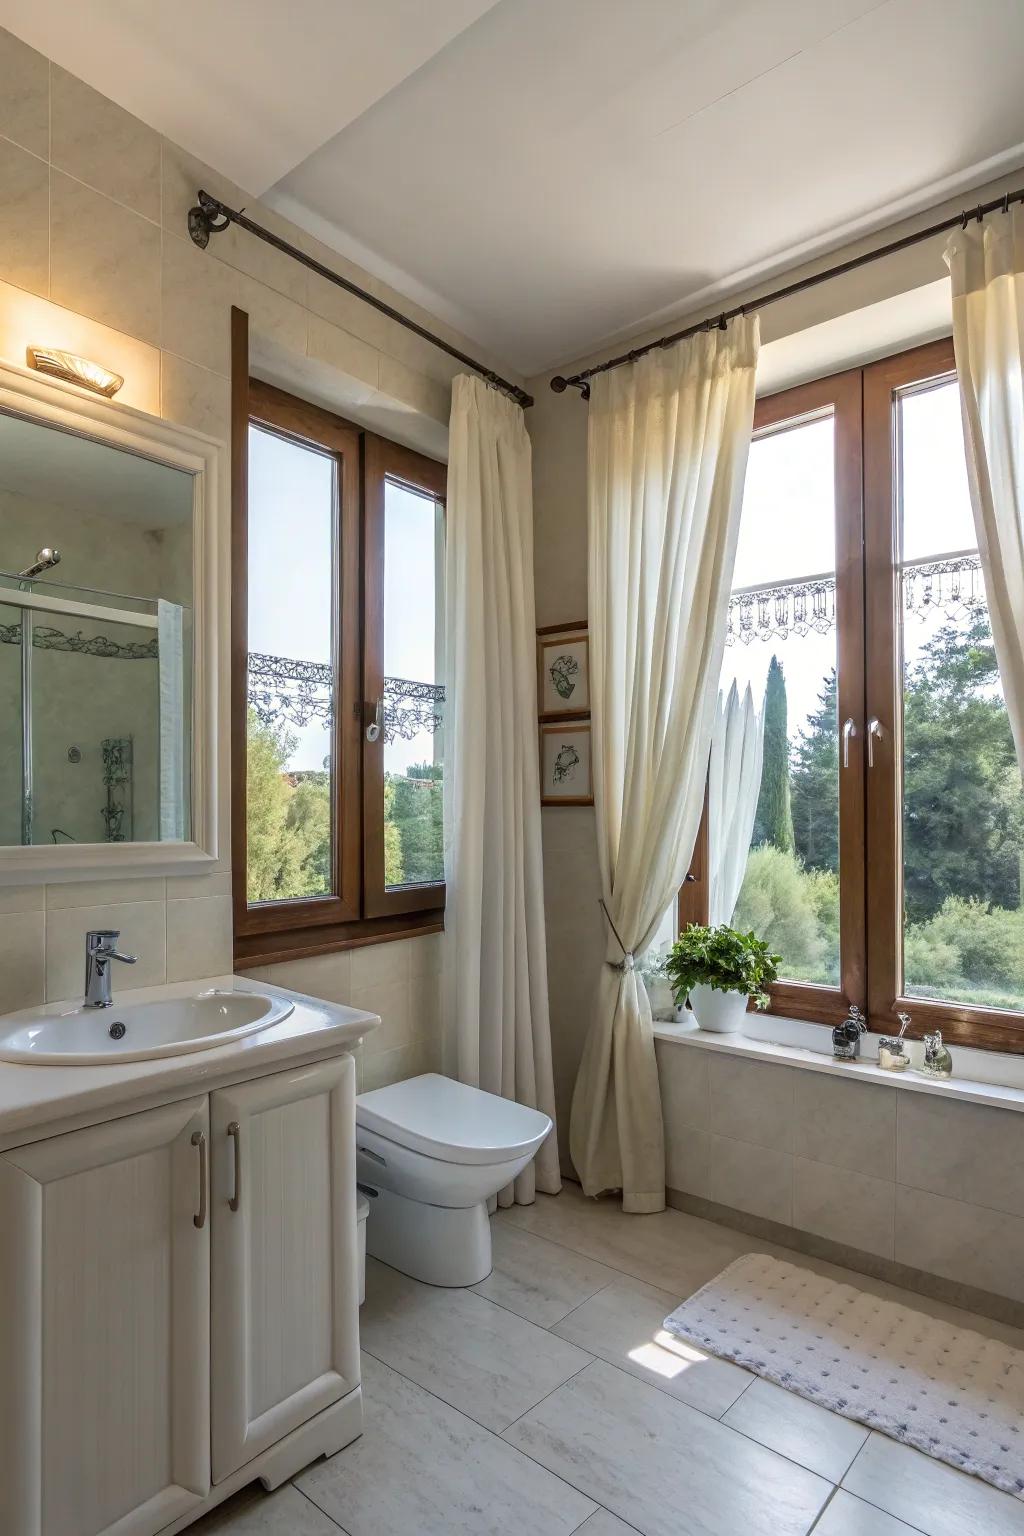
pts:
pixel 786 1050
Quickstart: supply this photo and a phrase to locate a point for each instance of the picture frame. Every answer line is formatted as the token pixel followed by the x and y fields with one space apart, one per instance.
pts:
pixel 563 671
pixel 566 765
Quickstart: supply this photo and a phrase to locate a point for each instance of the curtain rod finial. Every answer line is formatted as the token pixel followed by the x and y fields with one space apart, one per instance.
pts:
pixel 559 385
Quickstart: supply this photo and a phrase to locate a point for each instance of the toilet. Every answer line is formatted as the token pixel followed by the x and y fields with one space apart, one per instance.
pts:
pixel 430 1154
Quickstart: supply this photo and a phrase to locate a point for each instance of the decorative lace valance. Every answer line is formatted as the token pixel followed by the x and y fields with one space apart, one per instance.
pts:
pixel 46 639
pixel 953 587
pixel 284 690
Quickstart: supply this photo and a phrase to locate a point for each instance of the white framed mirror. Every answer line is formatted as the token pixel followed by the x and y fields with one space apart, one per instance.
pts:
pixel 108 637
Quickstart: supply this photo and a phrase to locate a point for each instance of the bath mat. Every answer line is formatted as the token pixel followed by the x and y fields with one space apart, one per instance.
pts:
pixel 952 1393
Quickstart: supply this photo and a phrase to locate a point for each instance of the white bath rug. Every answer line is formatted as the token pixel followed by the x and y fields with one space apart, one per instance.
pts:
pixel 952 1393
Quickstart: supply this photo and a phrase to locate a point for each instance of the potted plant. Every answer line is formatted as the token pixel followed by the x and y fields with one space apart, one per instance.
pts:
pixel 718 969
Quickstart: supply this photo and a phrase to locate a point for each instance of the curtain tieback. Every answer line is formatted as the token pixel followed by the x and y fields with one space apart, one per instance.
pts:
pixel 628 962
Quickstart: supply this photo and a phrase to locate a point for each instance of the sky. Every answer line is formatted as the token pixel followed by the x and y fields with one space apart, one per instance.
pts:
pixel 291 559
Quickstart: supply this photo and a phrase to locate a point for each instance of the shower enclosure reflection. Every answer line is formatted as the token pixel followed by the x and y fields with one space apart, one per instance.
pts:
pixel 95 641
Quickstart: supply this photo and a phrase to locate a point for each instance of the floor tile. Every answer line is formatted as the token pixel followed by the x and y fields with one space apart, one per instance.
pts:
pixel 605 1524
pixel 539 1280
pixel 255 1513
pixel 622 1324
pixel 930 1496
pixel 822 1441
pixel 847 1516
pixel 661 1465
pixel 671 1250
pixel 422 1469
pixel 484 1361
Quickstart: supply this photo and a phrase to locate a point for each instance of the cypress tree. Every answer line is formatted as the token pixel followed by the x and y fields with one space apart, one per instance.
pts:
pixel 773 822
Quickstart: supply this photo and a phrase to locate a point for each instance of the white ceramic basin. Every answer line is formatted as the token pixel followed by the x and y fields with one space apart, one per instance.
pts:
pixel 169 1026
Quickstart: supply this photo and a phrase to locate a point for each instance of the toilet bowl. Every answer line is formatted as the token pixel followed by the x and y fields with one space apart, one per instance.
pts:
pixel 430 1153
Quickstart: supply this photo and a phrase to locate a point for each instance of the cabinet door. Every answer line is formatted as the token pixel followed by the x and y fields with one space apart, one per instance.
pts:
pixel 104 1327
pixel 285 1308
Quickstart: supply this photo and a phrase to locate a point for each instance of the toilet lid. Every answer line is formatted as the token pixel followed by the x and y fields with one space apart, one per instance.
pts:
pixel 451 1121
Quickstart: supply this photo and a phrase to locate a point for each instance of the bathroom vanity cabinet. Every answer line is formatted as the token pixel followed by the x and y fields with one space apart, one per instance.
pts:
pixel 178 1304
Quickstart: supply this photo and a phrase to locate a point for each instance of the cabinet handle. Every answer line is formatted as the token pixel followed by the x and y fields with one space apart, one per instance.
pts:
pixel 235 1132
pixel 199 1140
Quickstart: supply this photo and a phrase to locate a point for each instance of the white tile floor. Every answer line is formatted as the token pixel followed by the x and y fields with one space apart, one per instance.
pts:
pixel 547 1401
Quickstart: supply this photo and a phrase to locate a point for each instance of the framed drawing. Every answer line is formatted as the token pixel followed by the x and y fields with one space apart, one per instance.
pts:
pixel 563 672
pixel 565 767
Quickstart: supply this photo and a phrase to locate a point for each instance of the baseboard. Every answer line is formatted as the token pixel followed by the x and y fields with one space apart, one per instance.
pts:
pixel 1000 1308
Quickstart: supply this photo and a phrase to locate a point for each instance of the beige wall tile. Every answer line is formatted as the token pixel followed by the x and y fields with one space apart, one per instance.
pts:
pixel 374 964
pixel 968 1152
pixel 685 1091
pixel 183 175
pixel 328 344
pixel 414 390
pixel 394 1066
pixel 183 887
pixel 21 960
pixel 276 323
pixel 846 1123
pixel 24 95
pixel 749 1178
pixel 962 1242
pixel 426 955
pixel 391 1001
pixel 103 893
pixel 199 938
pixel 142 926
pixel 687 1159
pixel 196 397
pixel 22 898
pixel 104 259
pixel 752 1101
pixel 24 228
pixel 196 295
pixel 101 144
pixel 847 1207
pixel 325 976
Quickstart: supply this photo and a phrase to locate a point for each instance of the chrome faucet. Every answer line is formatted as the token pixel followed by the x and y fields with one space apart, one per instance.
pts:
pixel 100 950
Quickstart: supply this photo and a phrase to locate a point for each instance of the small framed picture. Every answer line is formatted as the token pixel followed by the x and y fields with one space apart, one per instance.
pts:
pixel 565 768
pixel 563 683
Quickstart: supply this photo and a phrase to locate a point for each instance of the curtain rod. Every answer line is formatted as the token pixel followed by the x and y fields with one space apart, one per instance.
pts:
pixel 580 380
pixel 210 216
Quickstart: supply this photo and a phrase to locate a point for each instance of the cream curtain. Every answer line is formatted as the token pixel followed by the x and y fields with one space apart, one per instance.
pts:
pixel 986 264
pixel 734 781
pixel 497 1033
pixel 668 442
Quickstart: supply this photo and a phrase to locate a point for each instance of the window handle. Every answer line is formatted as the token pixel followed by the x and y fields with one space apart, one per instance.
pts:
pixel 874 729
pixel 849 729
pixel 373 729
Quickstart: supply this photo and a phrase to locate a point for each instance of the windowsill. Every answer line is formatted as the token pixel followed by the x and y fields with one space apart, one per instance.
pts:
pixel 794 1043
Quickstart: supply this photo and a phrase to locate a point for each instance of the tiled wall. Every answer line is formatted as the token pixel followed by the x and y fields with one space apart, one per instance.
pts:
pixel 92 218
pixel 916 1179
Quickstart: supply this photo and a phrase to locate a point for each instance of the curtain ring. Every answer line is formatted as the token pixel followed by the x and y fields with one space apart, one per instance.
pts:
pixel 963 219
pixel 1006 202
pixel 979 213
pixel 723 324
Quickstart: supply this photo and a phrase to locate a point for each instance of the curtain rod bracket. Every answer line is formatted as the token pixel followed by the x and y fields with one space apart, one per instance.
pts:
pixel 205 219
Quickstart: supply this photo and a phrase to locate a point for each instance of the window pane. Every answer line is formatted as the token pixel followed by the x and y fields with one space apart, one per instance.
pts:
pixel 782 642
pixel 413 686
pixel 290 782
pixel 963 810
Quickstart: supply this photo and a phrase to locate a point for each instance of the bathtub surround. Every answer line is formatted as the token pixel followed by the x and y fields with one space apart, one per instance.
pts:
pixel 497 1033
pixel 668 442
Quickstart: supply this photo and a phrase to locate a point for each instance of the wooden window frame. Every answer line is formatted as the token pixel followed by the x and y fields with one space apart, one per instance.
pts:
pixel 987 1028
pixel 273 932
pixel 868 625
pixel 841 397
pixel 384 461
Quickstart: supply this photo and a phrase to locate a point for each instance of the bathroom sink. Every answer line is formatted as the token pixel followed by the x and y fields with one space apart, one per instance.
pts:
pixel 169 1026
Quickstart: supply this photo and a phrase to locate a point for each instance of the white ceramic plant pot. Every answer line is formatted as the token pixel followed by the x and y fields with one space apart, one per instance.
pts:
pixel 719 1012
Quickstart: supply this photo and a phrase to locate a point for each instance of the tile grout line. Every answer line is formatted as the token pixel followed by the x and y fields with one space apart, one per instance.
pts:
pixel 304 1495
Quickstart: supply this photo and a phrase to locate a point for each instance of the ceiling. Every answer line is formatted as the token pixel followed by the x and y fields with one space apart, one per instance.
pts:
pixel 551 176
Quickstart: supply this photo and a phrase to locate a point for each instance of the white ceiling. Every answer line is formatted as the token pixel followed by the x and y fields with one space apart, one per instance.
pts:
pixel 550 176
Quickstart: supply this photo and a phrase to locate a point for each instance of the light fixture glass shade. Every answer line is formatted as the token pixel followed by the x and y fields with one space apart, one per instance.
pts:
pixel 75 370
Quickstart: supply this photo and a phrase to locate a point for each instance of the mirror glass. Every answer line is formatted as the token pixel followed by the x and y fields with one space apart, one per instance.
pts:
pixel 95 641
